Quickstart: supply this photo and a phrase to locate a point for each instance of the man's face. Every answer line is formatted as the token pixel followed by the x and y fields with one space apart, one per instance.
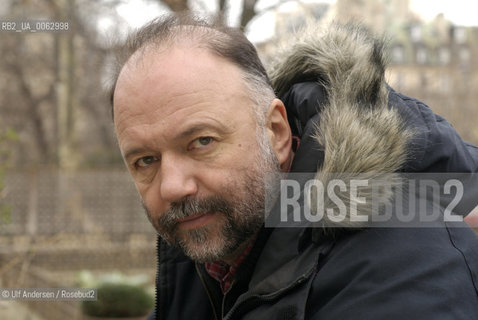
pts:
pixel 187 131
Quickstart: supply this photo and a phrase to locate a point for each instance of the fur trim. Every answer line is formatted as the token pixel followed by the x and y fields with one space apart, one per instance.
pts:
pixel 358 131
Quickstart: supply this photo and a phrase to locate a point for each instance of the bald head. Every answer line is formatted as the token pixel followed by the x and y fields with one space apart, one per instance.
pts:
pixel 229 43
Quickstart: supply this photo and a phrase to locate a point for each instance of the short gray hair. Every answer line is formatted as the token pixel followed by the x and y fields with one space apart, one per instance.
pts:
pixel 229 43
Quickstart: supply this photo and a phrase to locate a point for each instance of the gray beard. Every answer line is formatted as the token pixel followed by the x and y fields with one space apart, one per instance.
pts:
pixel 242 219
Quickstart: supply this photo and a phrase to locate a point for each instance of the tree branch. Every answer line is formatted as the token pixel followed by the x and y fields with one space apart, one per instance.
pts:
pixel 176 5
pixel 33 105
pixel 248 12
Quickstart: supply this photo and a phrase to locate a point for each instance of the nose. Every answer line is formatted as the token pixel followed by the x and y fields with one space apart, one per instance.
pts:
pixel 177 179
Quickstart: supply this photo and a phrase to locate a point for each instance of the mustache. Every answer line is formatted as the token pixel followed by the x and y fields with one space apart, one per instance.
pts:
pixel 190 207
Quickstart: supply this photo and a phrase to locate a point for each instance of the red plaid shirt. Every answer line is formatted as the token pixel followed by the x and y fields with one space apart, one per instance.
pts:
pixel 225 273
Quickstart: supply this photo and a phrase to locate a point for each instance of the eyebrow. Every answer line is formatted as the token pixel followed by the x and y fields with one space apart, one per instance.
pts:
pixel 198 128
pixel 192 130
pixel 134 151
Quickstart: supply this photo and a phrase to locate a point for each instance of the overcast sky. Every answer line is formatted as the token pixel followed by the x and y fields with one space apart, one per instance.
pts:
pixel 460 12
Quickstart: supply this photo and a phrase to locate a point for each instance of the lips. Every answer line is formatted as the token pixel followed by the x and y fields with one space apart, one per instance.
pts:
pixel 195 221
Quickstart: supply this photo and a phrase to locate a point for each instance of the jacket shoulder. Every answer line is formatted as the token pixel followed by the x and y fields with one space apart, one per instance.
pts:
pixel 398 274
pixel 436 146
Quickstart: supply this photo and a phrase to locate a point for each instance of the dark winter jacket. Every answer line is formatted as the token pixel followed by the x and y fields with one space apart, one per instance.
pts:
pixel 349 121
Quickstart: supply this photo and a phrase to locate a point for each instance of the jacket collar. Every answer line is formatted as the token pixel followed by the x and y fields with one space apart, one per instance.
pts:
pixel 284 262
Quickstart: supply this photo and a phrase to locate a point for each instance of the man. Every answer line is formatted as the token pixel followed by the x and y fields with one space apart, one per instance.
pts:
pixel 207 141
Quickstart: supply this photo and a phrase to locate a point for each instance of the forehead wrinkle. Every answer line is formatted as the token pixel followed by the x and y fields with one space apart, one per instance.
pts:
pixel 141 132
pixel 204 124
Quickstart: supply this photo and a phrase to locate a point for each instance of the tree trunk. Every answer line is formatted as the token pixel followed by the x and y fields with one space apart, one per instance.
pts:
pixel 67 158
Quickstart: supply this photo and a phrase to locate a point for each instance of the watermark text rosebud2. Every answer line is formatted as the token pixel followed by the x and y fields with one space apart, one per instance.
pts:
pixel 373 200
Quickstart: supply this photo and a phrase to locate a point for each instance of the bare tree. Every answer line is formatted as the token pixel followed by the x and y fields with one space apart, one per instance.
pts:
pixel 248 9
pixel 176 5
pixel 53 95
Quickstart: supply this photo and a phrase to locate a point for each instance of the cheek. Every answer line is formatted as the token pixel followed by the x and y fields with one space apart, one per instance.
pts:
pixel 218 179
pixel 242 156
pixel 151 199
pixel 226 183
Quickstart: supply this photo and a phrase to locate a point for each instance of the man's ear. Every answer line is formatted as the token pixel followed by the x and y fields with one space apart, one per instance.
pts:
pixel 279 133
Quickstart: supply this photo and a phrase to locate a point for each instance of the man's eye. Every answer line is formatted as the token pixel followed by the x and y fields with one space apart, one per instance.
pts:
pixel 145 161
pixel 204 141
pixel 201 142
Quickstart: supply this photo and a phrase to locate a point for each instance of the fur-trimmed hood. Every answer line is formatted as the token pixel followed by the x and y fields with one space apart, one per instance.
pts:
pixel 332 81
pixel 355 128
